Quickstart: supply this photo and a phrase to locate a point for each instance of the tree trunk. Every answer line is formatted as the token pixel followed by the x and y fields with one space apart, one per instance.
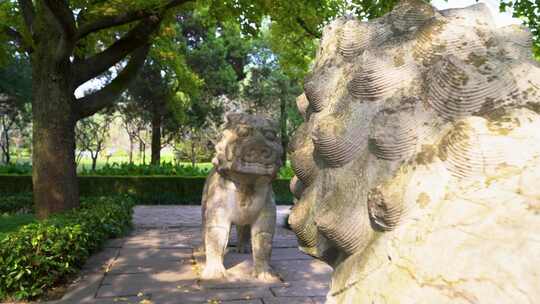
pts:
pixel 283 128
pixel 54 176
pixel 94 162
pixel 156 137
pixel 4 141
pixel 5 146
pixel 142 152
pixel 130 150
pixel 193 158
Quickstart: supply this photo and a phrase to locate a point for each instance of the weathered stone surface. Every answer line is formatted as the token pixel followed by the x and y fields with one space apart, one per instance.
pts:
pixel 167 216
pixel 147 283
pixel 100 261
pixel 83 289
pixel 417 165
pixel 289 300
pixel 239 191
pixel 302 270
pixel 118 268
pixel 239 275
pixel 206 296
pixel 163 274
pixel 153 255
pixel 299 289
pixel 114 243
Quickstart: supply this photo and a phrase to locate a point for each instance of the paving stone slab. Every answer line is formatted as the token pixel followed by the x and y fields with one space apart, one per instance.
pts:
pixel 302 288
pixel 165 277
pixel 240 276
pixel 158 260
pixel 158 216
pixel 114 243
pixel 83 289
pixel 146 286
pixel 101 261
pixel 154 267
pixel 302 270
pixel 223 295
pixel 118 300
pixel 319 300
pixel 165 240
pixel 256 301
pixel 141 257
pixel 148 283
pixel 279 254
pixel 288 300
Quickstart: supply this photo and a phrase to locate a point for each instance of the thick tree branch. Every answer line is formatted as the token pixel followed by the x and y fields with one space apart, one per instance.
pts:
pixel 16 37
pixel 65 20
pixel 63 15
pixel 101 62
pixel 92 103
pixel 28 13
pixel 86 28
pixel 13 34
pixel 304 26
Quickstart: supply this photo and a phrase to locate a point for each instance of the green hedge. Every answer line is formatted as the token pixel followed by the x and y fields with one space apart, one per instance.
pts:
pixel 40 255
pixel 130 169
pixel 16 203
pixel 146 189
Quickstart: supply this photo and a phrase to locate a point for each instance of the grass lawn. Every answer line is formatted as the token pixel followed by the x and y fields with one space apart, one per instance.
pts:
pixel 9 223
pixel 86 162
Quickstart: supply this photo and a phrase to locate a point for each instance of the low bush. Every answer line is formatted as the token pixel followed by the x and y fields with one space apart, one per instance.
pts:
pixel 130 169
pixel 165 168
pixel 16 168
pixel 145 189
pixel 12 222
pixel 16 203
pixel 43 254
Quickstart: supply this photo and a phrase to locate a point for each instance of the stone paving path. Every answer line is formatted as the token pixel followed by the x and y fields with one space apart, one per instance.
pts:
pixel 158 263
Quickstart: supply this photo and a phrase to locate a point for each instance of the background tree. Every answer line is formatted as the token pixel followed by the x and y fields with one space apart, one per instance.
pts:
pixel 269 91
pixel 132 121
pixel 91 135
pixel 153 94
pixel 218 52
pixel 529 12
pixel 72 42
pixel 15 97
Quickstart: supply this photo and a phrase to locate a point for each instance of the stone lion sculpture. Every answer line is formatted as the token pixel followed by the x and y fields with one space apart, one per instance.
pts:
pixel 239 191
pixel 418 165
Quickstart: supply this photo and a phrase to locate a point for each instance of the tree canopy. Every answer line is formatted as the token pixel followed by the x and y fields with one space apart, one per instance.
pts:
pixel 72 42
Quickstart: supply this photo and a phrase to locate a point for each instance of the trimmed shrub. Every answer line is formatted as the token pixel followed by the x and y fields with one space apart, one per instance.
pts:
pixel 16 168
pixel 11 184
pixel 127 169
pixel 16 203
pixel 282 192
pixel 146 189
pixel 165 168
pixel 43 254
pixel 12 222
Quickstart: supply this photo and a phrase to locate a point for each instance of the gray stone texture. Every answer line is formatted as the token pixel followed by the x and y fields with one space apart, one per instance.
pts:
pixel 149 266
pixel 418 164
pixel 238 191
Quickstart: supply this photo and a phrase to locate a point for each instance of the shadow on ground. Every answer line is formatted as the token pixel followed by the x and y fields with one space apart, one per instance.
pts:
pixel 158 263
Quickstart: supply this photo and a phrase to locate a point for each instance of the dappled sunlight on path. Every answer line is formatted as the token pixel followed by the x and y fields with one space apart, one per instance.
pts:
pixel 159 263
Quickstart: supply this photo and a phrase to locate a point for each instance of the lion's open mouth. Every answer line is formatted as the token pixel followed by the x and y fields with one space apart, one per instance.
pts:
pixel 255 168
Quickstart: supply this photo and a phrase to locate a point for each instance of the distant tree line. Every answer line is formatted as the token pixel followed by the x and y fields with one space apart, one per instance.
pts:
pixel 197 51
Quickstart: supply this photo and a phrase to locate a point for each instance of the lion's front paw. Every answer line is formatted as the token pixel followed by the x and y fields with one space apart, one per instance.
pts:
pixel 266 275
pixel 213 272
